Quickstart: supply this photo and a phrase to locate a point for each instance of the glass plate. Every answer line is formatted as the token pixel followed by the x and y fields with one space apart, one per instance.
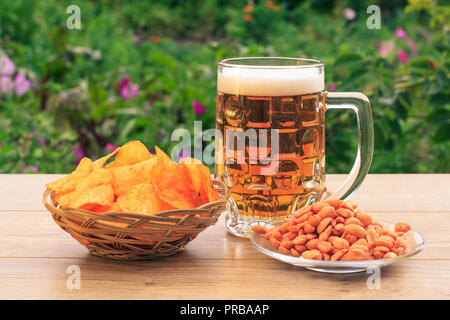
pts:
pixel 416 242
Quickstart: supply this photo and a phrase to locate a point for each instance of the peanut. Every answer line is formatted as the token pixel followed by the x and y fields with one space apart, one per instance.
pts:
pixel 361 241
pixel 340 243
pixel 283 250
pixel 294 228
pixel 398 251
pixel 259 229
pixel 312 244
pixel 291 235
pixel 347 205
pixel 309 228
pixel 350 238
pixel 303 218
pixel 327 212
pixel 295 253
pixel 336 230
pixel 312 254
pixel 364 218
pixel 300 240
pixel 326 233
pixel 323 224
pixel 338 255
pixel 355 230
pixel 360 247
pixel 345 213
pixel 371 235
pixel 302 211
pixel 314 220
pixel 316 207
pixel 310 236
pixel 353 221
pixel 339 228
pixel 385 241
pixel 400 243
pixel 300 248
pixel 334 203
pixel 275 242
pixel 402 227
pixel 355 255
pixel 324 246
pixel 287 244
pixel 283 229
pixel 276 235
pixel 389 255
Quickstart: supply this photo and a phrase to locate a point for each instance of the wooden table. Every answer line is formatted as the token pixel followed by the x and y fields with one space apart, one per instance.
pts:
pixel 35 253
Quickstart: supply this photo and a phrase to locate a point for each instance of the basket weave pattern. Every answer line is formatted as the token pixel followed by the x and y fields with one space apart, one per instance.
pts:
pixel 131 236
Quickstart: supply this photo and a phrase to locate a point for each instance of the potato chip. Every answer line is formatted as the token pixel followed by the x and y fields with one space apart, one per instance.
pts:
pixel 100 163
pixel 126 177
pixel 69 182
pixel 63 198
pixel 141 199
pixel 213 195
pixel 136 181
pixel 94 179
pixel 102 195
pixel 131 153
pixel 114 207
pixel 201 180
pixel 173 185
pixel 192 168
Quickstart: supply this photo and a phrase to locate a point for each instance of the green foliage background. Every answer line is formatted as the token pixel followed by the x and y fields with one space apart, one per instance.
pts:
pixel 74 101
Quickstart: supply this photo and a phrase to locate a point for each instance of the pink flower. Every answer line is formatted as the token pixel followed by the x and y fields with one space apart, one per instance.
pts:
pixel 33 168
pixel 349 14
pixel 79 153
pixel 124 83
pixel 111 147
pixel 6 84
pixel 21 84
pixel 400 33
pixel 6 65
pixel 127 90
pixel 134 89
pixel 403 56
pixel 382 50
pixel 385 48
pixel 412 46
pixel 198 107
pixel 184 153
pixel 331 87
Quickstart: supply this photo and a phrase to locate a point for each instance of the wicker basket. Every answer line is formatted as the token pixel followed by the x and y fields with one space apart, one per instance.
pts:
pixel 130 236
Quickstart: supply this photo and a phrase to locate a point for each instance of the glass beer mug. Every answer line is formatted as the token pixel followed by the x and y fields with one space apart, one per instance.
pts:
pixel 270 150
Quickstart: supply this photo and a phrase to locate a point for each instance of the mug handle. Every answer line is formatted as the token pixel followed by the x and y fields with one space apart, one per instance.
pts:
pixel 359 103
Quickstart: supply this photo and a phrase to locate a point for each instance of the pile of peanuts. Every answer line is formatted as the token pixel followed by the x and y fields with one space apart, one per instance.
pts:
pixel 336 230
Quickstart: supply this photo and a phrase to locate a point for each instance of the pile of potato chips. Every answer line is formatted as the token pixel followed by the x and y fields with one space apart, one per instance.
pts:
pixel 135 181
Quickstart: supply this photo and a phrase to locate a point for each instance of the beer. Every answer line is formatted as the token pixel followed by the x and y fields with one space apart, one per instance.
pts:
pixel 278 114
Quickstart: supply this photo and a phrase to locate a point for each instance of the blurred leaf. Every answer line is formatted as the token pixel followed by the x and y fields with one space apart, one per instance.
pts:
pixel 125 131
pixel 439 116
pixel 346 58
pixel 442 133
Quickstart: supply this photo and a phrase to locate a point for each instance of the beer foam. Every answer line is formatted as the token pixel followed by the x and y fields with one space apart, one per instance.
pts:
pixel 270 81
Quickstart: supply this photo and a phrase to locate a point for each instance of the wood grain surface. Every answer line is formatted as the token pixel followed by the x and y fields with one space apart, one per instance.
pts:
pixel 35 253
